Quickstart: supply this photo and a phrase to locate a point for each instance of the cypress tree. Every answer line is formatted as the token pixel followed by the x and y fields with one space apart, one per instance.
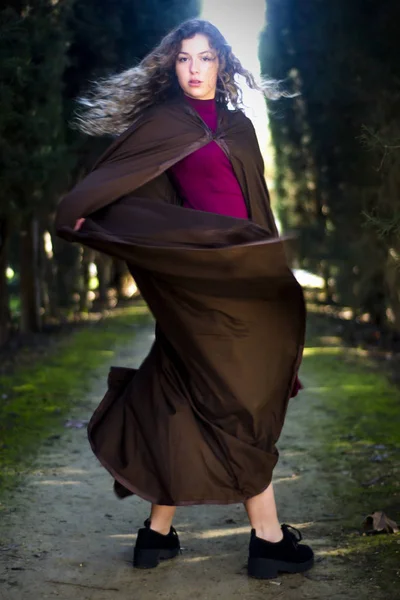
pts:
pixel 49 51
pixel 332 55
pixel 32 148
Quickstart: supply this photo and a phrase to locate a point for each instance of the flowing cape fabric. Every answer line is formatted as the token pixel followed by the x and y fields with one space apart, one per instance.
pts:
pixel 199 420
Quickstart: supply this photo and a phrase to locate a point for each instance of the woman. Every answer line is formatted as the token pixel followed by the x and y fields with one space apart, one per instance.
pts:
pixel 180 195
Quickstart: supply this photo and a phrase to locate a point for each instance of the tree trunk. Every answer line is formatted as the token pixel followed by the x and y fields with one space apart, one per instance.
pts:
pixel 120 271
pixel 29 284
pixel 104 265
pixel 326 276
pixel 393 283
pixel 67 258
pixel 48 275
pixel 5 317
pixel 84 303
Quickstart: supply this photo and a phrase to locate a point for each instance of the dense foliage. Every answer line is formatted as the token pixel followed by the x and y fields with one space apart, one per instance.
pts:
pixel 337 144
pixel 50 50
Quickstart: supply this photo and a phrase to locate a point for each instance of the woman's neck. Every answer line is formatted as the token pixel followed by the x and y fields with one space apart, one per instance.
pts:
pixel 208 104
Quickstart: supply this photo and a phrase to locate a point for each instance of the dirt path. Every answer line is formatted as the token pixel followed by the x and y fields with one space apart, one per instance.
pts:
pixel 65 535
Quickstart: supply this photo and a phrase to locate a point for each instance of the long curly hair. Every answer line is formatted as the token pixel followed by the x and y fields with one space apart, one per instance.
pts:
pixel 115 102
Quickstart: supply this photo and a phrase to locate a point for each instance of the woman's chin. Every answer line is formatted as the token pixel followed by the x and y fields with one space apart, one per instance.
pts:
pixel 194 93
pixel 198 94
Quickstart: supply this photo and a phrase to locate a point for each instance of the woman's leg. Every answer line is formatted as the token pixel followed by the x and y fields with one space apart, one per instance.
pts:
pixel 263 516
pixel 161 518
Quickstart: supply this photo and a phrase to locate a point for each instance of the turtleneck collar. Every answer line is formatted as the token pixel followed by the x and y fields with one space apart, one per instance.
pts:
pixel 203 105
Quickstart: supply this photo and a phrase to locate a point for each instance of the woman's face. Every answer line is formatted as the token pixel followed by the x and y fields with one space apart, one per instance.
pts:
pixel 197 68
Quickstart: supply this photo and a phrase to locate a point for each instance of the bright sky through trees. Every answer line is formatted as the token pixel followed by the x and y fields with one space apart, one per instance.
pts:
pixel 241 23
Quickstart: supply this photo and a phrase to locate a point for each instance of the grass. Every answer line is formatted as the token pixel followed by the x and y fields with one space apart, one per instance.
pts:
pixel 368 406
pixel 36 398
pixel 359 433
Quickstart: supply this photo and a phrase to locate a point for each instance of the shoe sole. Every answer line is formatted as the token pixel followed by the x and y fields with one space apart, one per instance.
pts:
pixel 148 559
pixel 268 568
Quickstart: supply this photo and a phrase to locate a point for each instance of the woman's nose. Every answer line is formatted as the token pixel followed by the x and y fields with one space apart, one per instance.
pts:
pixel 194 67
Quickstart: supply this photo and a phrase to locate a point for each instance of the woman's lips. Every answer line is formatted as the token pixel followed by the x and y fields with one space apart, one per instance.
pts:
pixel 195 83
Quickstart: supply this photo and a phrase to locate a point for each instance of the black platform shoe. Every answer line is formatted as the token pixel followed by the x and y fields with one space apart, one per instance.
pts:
pixel 151 547
pixel 266 559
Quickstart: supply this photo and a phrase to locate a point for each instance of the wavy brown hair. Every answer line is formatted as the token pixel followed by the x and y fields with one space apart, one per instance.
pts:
pixel 114 102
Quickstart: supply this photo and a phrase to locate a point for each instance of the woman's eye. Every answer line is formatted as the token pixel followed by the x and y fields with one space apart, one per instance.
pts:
pixel 204 58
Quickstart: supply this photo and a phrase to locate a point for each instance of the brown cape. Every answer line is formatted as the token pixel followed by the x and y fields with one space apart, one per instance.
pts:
pixel 198 421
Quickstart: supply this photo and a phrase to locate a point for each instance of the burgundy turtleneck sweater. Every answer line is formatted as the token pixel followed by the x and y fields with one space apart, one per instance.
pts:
pixel 205 179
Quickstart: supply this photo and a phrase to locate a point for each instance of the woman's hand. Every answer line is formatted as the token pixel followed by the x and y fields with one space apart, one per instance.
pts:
pixel 78 224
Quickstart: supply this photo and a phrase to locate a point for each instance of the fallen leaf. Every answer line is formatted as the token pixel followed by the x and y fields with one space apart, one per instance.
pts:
pixel 378 522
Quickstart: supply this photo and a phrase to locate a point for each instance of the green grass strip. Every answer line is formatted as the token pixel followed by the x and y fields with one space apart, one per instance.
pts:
pixel 355 388
pixel 357 425
pixel 35 399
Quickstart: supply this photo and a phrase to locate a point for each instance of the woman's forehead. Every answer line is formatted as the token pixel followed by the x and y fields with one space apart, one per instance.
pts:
pixel 196 45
